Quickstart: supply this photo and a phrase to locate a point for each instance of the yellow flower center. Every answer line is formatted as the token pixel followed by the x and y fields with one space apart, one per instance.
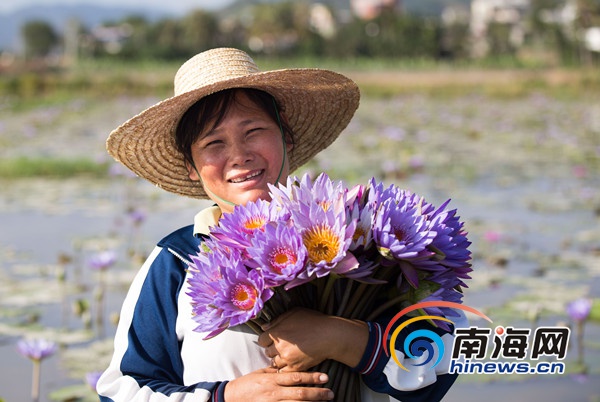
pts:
pixel 243 296
pixel 325 204
pixel 281 258
pixel 255 222
pixel 322 243
pixel 400 233
pixel 358 233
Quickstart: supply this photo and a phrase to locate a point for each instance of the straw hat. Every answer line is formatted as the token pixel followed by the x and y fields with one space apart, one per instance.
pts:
pixel 318 105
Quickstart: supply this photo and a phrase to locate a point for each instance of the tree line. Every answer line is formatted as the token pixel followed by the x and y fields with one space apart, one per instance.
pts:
pixel 289 29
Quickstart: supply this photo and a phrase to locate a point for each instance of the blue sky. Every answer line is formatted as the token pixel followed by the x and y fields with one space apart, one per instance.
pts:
pixel 176 6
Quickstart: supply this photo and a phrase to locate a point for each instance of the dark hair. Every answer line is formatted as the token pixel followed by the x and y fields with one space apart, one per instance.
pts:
pixel 213 108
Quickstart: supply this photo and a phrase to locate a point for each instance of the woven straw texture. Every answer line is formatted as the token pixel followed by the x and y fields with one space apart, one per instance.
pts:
pixel 318 105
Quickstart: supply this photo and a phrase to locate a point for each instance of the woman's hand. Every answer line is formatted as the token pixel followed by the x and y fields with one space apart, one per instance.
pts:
pixel 268 384
pixel 302 338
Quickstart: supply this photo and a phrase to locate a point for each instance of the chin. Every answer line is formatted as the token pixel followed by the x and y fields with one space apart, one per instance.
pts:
pixel 253 195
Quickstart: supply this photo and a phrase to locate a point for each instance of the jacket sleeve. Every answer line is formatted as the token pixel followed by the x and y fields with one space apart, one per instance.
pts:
pixel 423 383
pixel 146 364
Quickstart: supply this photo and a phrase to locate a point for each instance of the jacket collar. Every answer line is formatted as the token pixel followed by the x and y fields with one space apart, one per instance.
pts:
pixel 205 219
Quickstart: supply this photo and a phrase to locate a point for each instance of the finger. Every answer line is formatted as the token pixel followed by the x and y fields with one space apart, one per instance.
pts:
pixel 305 394
pixel 264 340
pixel 301 378
pixel 271 351
pixel 265 327
pixel 286 369
pixel 278 362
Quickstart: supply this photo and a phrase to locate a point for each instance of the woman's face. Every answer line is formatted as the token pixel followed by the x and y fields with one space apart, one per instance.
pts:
pixel 241 156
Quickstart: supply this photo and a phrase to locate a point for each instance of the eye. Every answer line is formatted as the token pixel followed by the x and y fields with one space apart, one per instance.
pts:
pixel 254 130
pixel 212 143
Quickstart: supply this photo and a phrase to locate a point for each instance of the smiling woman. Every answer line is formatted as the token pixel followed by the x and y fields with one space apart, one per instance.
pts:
pixel 228 134
pixel 240 150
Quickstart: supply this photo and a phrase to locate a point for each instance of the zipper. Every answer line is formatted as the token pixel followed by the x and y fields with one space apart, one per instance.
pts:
pixel 176 254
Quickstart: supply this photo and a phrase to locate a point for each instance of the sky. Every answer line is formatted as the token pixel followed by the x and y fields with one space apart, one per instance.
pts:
pixel 176 6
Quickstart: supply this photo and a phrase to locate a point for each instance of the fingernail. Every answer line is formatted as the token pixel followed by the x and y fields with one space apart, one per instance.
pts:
pixel 323 378
pixel 330 394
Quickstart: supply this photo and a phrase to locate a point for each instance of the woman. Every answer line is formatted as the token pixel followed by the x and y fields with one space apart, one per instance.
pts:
pixel 229 132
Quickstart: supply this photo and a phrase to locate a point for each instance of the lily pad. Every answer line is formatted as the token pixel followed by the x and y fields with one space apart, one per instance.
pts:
pixel 595 311
pixel 74 393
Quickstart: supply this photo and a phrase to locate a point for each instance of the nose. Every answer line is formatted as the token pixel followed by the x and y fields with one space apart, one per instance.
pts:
pixel 240 153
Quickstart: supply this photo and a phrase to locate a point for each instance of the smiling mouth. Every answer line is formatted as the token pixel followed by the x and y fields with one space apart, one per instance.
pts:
pixel 247 177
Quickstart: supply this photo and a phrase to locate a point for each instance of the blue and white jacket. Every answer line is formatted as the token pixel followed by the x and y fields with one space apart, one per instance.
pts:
pixel 159 357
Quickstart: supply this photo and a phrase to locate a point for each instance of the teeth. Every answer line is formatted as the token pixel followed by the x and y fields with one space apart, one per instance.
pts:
pixel 241 179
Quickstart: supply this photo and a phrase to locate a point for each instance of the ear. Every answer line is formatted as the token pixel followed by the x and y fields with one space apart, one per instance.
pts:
pixel 192 172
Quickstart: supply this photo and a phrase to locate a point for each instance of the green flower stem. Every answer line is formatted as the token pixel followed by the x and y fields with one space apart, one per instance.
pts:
pixel 326 295
pixel 254 326
pixel 346 384
pixel 374 294
pixel 342 387
pixel 353 387
pixel 285 297
pixel 580 325
pixel 332 372
pixel 35 381
pixel 380 309
pixel 355 299
pixel 305 295
pixel 325 367
pixel 302 297
pixel 99 296
pixel 365 302
pixel 267 314
pixel 364 296
pixel 345 298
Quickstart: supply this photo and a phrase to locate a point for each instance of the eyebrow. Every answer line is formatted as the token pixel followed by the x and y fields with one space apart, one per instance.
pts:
pixel 242 123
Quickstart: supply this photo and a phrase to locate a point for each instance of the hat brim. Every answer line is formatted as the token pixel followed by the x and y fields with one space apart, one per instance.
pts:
pixel 318 104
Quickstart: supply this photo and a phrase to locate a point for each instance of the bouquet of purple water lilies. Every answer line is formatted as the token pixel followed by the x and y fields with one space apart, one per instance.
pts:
pixel 352 252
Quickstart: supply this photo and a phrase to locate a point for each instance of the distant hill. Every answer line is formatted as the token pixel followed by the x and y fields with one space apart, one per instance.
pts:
pixel 57 16
pixel 90 15
pixel 431 7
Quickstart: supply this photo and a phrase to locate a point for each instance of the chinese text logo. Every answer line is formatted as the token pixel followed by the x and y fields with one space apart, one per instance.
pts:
pixel 470 346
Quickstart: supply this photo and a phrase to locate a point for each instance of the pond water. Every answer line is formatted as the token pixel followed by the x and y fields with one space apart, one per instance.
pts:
pixel 523 174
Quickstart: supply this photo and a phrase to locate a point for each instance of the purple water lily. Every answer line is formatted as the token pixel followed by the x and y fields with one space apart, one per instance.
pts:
pixel 323 191
pixel 579 309
pixel 327 239
pixel 207 267
pixel 319 211
pixel 103 260
pixel 278 250
pixel 36 349
pixel 226 294
pixel 137 216
pixel 236 229
pixel 241 295
pixel 322 230
pixel 450 245
pixel 402 232
pixel 91 378
pixel 363 215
